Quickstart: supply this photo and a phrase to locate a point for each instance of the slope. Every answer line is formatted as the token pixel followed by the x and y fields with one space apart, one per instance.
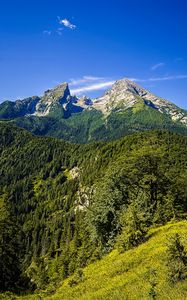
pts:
pixel 67 205
pixel 140 273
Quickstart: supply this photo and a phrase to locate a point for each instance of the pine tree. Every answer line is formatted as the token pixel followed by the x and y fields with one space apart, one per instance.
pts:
pixel 176 259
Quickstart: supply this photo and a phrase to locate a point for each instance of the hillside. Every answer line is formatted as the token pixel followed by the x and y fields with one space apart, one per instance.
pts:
pixel 124 109
pixel 130 275
pixel 64 206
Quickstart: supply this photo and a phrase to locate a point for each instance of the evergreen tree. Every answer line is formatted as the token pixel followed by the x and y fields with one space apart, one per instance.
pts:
pixel 176 259
pixel 11 252
pixel 135 222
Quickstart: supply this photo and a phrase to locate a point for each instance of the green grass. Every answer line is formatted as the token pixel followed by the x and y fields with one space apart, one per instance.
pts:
pixel 128 275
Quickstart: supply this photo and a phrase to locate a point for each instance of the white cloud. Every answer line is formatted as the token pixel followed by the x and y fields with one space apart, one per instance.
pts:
pixel 159 65
pixel 92 87
pixel 91 83
pixel 85 79
pixel 66 23
pixel 63 23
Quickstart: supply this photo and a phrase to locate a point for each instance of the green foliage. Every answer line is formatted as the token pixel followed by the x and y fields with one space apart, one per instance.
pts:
pixel 176 259
pixel 153 284
pixel 74 202
pixel 77 278
pixel 108 199
pixel 140 273
pixel 11 252
pixel 91 125
pixel 8 296
pixel 135 221
pixel 138 190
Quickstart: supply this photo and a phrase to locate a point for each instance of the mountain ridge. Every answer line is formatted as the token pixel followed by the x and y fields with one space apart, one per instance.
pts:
pixel 123 91
pixel 123 109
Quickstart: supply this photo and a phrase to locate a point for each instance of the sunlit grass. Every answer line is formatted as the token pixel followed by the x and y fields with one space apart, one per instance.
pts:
pixel 128 275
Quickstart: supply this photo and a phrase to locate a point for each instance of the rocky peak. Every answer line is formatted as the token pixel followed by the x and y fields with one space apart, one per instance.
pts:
pixel 60 95
pixel 125 94
pixel 126 86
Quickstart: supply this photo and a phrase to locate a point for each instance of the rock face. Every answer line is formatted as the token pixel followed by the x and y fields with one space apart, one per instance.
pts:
pixel 123 95
pixel 52 99
pixel 59 98
pixel 85 102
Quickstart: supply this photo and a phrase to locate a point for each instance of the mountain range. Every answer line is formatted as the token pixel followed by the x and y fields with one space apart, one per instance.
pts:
pixel 123 109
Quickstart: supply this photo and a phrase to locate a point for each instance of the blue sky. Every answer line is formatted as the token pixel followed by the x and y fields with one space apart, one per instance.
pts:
pixel 92 43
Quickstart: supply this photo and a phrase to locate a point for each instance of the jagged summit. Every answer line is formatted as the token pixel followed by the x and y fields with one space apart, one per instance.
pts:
pixel 128 86
pixel 124 95
pixel 52 98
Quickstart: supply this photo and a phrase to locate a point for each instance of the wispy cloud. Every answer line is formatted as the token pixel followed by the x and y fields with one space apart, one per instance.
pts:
pixel 59 31
pixel 92 87
pixel 178 59
pixel 47 32
pixel 168 78
pixel 164 78
pixel 92 83
pixel 85 80
pixel 156 66
pixel 65 22
pixel 62 23
pixel 89 83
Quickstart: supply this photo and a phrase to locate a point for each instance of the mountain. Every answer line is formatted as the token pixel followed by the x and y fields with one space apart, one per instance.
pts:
pixel 53 100
pixel 64 206
pixel 123 109
pixel 19 108
pixel 126 94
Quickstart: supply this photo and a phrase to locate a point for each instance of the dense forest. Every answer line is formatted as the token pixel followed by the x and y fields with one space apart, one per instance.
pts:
pixel 64 206
pixel 89 126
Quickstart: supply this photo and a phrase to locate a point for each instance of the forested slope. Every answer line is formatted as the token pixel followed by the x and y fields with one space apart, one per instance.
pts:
pixel 144 272
pixel 64 205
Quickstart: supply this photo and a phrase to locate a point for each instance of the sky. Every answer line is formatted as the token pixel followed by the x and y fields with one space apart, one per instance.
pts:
pixel 90 44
